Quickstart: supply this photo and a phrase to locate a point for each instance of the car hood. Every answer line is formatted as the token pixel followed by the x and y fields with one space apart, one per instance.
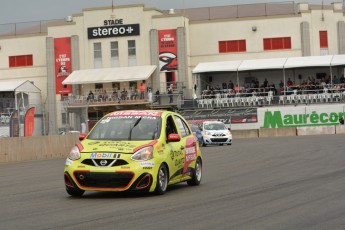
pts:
pixel 90 146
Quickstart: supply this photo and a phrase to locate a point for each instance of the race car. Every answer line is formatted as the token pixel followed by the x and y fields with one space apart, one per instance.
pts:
pixel 196 132
pixel 215 133
pixel 134 150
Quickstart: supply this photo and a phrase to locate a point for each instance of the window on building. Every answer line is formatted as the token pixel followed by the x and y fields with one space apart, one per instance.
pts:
pixel 97 55
pixel 323 39
pixel 21 60
pixel 277 43
pixel 115 85
pixel 98 86
pixel 114 52
pixel 232 46
pixel 132 56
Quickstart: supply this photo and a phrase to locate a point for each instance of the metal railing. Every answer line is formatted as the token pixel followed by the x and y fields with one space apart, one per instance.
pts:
pixel 21 28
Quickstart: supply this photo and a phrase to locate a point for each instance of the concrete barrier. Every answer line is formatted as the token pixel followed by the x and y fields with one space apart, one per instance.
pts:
pixel 283 132
pixel 317 130
pixel 17 149
pixel 249 133
pixel 340 129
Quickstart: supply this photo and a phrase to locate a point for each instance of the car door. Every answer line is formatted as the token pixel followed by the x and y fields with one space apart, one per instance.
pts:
pixel 173 150
pixel 188 146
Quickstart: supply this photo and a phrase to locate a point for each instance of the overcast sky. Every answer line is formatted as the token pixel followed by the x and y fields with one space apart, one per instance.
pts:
pixel 12 11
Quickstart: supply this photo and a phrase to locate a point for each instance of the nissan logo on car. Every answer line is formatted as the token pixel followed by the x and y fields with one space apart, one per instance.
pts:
pixel 103 162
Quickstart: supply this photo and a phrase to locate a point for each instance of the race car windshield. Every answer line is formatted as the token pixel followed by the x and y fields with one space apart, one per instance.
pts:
pixel 124 128
pixel 215 126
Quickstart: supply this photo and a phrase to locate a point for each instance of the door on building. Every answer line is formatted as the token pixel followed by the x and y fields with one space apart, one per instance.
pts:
pixel 170 78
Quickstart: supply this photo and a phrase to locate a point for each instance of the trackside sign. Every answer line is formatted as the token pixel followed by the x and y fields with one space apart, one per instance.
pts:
pixel 279 119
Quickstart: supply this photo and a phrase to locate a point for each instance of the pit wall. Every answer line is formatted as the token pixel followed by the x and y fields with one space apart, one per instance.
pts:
pixel 18 149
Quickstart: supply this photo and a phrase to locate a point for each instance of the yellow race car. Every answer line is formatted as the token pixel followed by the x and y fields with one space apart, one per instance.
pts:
pixel 134 150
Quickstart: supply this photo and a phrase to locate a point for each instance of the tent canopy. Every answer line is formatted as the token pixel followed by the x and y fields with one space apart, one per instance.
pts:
pixel 18 86
pixel 217 66
pixel 338 60
pixel 119 74
pixel 274 63
pixel 311 61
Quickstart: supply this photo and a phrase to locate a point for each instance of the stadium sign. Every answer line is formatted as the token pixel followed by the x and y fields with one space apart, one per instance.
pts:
pixel 275 119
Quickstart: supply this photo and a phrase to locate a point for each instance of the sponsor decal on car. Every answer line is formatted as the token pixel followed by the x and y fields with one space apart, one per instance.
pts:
pixel 147 164
pixel 190 153
pixel 136 113
pixel 105 155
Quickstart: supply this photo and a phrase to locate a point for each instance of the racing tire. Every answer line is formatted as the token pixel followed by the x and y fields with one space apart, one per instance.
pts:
pixel 220 144
pixel 74 191
pixel 229 144
pixel 197 174
pixel 162 180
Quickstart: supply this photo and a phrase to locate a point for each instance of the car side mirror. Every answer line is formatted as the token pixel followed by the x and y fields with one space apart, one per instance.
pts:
pixel 229 129
pixel 82 136
pixel 174 137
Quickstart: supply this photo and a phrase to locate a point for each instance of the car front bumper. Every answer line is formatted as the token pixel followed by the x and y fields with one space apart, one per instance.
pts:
pixel 212 140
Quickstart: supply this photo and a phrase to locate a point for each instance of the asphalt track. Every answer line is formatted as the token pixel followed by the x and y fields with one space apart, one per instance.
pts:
pixel 266 183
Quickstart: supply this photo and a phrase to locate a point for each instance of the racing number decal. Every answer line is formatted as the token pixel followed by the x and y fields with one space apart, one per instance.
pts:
pixel 190 154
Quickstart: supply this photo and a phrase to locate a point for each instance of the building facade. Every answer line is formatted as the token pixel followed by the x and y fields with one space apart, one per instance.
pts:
pixel 108 50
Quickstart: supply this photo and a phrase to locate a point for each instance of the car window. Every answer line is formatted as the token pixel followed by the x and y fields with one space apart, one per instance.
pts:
pixel 182 127
pixel 214 126
pixel 127 128
pixel 170 126
pixel 194 127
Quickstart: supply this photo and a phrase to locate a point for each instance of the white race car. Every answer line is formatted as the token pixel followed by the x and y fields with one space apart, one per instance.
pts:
pixel 215 133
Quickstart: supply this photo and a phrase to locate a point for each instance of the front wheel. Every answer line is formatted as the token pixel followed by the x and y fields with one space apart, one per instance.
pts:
pixel 74 191
pixel 162 180
pixel 197 173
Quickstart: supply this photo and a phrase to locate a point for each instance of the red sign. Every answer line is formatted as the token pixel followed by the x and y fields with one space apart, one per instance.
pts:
pixel 29 122
pixel 63 64
pixel 167 50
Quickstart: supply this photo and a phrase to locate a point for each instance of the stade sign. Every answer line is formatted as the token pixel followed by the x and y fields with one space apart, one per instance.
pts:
pixel 113 31
pixel 275 119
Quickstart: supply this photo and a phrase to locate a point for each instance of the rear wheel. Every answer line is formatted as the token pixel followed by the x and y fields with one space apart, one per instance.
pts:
pixel 74 191
pixel 162 180
pixel 197 173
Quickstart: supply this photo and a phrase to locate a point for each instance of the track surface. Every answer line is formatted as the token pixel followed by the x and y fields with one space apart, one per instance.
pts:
pixel 266 183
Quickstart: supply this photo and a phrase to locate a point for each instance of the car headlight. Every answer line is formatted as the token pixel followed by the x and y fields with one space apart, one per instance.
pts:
pixel 74 154
pixel 207 133
pixel 143 154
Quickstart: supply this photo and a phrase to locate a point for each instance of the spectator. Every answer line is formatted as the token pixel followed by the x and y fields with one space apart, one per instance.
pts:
pixel 170 92
pixel 91 96
pixel 157 97
pixel 142 91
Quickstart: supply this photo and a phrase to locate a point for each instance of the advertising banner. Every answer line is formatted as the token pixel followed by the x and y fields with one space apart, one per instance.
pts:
pixel 63 64
pixel 167 50
pixel 227 116
pixel 29 122
pixel 14 124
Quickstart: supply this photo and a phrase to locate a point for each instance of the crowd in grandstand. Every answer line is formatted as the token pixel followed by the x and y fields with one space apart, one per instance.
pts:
pixel 310 85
